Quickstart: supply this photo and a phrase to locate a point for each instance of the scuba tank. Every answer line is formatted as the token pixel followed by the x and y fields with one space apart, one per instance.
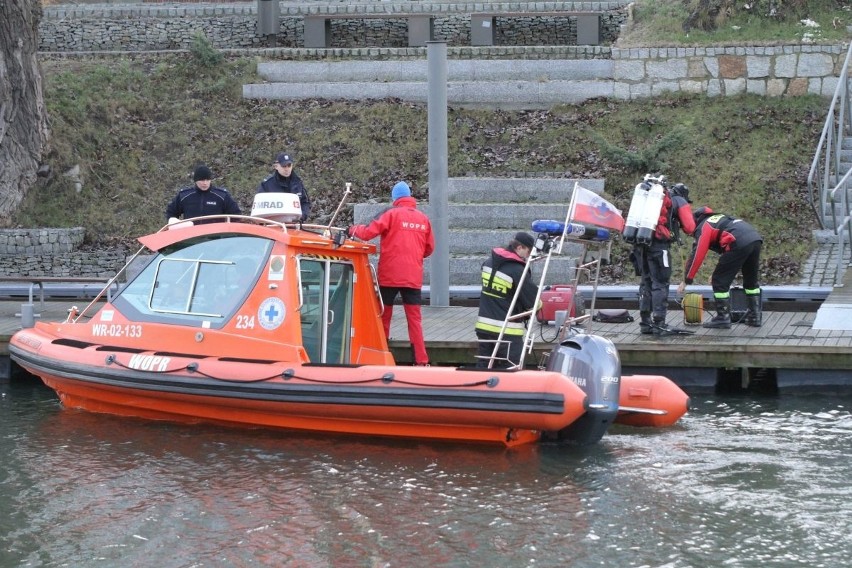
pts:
pixel 631 224
pixel 573 230
pixel 650 215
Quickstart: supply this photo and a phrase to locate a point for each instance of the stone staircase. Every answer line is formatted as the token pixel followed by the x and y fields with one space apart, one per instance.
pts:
pixel 486 212
pixel 504 83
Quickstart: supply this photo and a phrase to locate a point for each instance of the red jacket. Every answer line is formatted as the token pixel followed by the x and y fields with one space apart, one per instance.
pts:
pixel 406 239
pixel 719 233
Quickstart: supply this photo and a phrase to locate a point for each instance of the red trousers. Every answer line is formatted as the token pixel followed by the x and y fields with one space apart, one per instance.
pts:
pixel 411 304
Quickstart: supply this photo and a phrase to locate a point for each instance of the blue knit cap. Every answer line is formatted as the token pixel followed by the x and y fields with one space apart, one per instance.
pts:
pixel 401 189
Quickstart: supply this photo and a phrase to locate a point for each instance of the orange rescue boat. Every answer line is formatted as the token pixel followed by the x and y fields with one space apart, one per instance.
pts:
pixel 263 322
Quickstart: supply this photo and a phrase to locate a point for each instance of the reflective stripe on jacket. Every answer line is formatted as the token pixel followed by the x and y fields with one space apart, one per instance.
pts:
pixel 500 277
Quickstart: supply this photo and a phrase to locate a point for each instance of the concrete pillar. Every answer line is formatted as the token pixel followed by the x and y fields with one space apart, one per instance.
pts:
pixel 269 20
pixel 439 279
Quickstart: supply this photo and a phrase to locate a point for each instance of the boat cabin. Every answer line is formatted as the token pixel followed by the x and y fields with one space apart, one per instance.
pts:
pixel 286 292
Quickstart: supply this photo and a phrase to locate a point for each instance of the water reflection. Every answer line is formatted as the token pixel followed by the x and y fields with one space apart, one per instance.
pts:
pixel 739 482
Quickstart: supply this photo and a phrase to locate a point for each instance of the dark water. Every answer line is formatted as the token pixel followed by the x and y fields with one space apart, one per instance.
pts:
pixel 741 482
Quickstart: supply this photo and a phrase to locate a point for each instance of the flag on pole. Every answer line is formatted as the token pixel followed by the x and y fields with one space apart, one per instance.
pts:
pixel 590 208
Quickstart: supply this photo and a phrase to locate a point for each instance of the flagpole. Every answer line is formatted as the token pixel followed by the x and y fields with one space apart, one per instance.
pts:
pixel 571 206
pixel 573 203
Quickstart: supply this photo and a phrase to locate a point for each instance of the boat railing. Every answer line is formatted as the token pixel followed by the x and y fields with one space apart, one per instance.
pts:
pixel 74 314
pixel 233 218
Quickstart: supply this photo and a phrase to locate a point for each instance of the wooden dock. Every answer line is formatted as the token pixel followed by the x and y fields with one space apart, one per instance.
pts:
pixel 785 341
pixel 785 352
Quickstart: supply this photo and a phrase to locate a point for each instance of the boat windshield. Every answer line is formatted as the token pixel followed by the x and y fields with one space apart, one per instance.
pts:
pixel 199 282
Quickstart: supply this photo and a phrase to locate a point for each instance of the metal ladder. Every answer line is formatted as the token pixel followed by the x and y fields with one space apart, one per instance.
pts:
pixel 545 248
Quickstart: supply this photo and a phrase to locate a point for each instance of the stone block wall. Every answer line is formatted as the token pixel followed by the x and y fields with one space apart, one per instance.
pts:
pixel 788 70
pixel 725 71
pixel 40 241
pixel 53 252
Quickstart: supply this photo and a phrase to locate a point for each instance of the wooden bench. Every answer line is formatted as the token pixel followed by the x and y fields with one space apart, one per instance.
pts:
pixel 482 25
pixel 317 32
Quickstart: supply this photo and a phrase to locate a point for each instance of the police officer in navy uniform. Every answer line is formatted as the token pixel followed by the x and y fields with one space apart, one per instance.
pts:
pixel 285 180
pixel 653 262
pixel 201 198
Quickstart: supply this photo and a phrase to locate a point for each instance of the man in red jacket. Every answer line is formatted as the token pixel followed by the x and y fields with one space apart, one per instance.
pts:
pixel 406 239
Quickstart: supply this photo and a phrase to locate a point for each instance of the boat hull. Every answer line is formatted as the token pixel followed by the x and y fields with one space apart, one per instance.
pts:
pixel 433 403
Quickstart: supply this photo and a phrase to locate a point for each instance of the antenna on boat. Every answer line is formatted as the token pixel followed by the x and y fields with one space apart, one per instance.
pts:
pixel 340 238
pixel 342 201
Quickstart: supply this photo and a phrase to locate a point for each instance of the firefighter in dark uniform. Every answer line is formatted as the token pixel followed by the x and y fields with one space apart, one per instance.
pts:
pixel 739 245
pixel 286 180
pixel 501 277
pixel 201 198
pixel 653 261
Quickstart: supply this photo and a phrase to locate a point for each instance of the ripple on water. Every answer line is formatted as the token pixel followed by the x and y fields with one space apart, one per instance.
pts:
pixel 738 482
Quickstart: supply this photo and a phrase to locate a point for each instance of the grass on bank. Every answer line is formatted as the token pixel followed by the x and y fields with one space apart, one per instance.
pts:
pixel 754 22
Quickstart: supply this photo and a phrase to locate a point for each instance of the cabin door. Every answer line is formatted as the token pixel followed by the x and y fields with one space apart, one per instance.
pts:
pixel 326 309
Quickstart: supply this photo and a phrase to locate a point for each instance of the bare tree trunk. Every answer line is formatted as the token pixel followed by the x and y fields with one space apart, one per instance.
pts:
pixel 23 118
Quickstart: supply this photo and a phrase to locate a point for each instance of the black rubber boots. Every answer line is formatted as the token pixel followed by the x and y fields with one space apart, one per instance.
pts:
pixel 722 319
pixel 754 315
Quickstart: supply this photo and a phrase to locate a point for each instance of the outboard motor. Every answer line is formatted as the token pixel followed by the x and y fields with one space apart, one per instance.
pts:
pixel 592 363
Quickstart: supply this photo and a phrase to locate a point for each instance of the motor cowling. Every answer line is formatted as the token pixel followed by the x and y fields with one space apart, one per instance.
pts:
pixel 592 363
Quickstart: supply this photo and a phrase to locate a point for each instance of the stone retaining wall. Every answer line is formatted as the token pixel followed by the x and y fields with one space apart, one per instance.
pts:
pixel 40 241
pixel 762 70
pixel 145 27
pixel 52 252
pixel 70 30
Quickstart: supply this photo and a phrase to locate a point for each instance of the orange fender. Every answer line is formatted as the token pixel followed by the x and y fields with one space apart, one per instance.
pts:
pixel 650 400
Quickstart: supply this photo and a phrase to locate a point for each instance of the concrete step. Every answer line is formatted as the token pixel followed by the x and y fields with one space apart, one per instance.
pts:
pixel 825 236
pixel 416 71
pixel 844 167
pixel 467 270
pixel 481 241
pixel 503 83
pixel 514 217
pixel 517 190
pixel 507 95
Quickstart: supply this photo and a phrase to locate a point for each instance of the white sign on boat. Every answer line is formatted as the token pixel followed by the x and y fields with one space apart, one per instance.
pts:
pixel 280 207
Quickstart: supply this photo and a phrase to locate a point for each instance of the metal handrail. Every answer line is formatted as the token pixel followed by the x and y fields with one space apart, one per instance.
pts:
pixel 826 166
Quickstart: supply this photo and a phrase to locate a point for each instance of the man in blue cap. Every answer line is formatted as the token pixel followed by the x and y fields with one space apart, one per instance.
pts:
pixel 285 180
pixel 406 239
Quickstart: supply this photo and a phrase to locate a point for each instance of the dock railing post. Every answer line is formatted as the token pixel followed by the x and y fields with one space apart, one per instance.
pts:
pixel 27 316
